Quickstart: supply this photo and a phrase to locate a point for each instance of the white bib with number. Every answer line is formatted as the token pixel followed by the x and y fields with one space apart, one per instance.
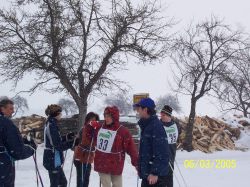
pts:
pixel 105 140
pixel 172 133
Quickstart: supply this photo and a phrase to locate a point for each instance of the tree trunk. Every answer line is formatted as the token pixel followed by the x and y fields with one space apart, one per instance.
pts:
pixel 187 145
pixel 82 113
pixel 245 113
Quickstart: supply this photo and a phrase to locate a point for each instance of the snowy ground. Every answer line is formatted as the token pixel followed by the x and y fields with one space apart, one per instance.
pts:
pixel 25 174
pixel 244 140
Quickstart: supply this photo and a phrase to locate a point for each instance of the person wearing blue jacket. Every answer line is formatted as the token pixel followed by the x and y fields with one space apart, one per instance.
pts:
pixel 153 150
pixel 12 147
pixel 54 146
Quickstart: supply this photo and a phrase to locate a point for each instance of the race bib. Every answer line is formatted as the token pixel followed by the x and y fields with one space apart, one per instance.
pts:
pixel 105 140
pixel 172 133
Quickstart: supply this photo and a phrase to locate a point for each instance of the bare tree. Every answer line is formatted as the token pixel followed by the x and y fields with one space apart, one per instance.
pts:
pixel 233 86
pixel 122 101
pixel 200 54
pixel 76 45
pixel 21 104
pixel 68 106
pixel 170 100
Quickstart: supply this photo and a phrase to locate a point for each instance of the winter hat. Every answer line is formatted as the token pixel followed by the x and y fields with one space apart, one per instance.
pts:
pixel 146 102
pixel 53 110
pixel 167 110
pixel 113 111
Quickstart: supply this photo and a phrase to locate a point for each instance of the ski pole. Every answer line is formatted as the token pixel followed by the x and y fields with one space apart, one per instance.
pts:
pixel 37 180
pixel 35 161
pixel 65 155
pixel 174 174
pixel 91 144
pixel 38 172
pixel 181 174
pixel 71 169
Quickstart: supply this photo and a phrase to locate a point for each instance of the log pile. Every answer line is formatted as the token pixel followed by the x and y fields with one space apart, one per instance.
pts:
pixel 210 134
pixel 34 126
pixel 31 125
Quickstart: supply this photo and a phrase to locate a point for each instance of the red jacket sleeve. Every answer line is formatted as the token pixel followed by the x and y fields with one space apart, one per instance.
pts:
pixel 130 148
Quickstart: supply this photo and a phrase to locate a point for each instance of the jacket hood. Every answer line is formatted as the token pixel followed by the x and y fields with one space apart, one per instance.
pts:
pixel 114 112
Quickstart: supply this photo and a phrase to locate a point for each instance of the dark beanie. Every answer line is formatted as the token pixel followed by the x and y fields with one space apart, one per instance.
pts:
pixel 167 110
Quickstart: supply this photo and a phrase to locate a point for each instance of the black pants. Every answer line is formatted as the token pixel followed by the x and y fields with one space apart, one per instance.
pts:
pixel 170 182
pixel 162 182
pixel 57 178
pixel 11 179
pixel 82 173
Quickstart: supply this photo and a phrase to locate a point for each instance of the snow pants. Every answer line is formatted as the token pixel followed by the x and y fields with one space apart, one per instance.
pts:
pixel 109 180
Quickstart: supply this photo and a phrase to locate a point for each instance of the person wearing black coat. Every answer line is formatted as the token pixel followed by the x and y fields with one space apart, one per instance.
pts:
pixel 153 150
pixel 172 130
pixel 12 147
pixel 54 146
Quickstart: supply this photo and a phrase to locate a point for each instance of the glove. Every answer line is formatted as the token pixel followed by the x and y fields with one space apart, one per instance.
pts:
pixel 33 144
pixel 94 124
pixel 25 140
pixel 30 142
pixel 70 136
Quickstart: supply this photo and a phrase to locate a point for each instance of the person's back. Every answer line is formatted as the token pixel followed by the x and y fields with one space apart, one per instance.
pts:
pixel 11 145
pixel 54 146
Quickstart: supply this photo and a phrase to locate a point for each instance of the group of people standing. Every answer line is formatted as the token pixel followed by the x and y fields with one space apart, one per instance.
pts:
pixel 102 144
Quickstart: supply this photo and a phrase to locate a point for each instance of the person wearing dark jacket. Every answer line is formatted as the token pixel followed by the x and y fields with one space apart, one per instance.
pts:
pixel 12 147
pixel 172 131
pixel 85 150
pixel 54 146
pixel 153 150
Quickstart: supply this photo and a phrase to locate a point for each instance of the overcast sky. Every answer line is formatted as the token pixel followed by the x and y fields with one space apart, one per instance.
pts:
pixel 154 79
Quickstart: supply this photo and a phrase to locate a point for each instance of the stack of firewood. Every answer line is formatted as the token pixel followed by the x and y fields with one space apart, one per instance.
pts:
pixel 34 126
pixel 31 126
pixel 210 134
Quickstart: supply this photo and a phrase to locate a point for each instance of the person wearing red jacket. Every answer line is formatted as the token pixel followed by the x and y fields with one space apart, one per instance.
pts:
pixel 113 142
pixel 85 151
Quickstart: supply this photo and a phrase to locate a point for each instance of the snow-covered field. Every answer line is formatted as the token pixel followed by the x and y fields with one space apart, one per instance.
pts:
pixel 239 176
